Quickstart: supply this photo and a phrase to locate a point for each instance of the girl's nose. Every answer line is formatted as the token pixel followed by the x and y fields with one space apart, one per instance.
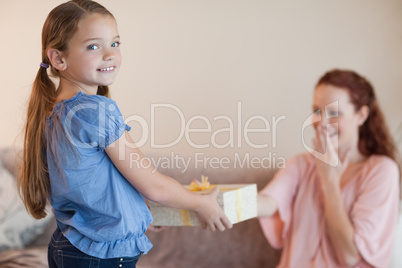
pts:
pixel 109 55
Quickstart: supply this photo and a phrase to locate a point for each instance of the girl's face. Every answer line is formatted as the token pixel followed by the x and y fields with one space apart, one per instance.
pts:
pixel 93 58
pixel 334 111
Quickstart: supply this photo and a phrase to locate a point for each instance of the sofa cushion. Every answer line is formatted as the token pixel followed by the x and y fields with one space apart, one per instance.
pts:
pixel 17 227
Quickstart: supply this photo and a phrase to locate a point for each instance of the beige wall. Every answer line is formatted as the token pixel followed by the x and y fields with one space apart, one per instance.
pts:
pixel 207 58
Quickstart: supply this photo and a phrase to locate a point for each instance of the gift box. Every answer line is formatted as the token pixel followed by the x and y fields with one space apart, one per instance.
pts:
pixel 238 201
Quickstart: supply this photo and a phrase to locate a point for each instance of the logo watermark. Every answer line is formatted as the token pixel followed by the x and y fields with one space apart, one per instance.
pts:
pixel 98 124
pixel 236 130
pixel 327 119
pixel 202 161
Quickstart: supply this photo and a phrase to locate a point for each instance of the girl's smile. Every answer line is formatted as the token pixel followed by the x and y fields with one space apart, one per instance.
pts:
pixel 108 69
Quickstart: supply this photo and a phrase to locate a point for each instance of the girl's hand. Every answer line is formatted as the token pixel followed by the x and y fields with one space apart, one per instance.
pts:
pixel 330 163
pixel 210 214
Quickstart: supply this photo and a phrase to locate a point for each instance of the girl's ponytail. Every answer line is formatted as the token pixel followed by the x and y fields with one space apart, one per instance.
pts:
pixel 34 179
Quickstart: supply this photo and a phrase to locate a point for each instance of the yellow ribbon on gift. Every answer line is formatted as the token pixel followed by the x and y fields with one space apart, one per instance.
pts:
pixel 238 205
pixel 199 186
pixel 185 217
pixel 196 186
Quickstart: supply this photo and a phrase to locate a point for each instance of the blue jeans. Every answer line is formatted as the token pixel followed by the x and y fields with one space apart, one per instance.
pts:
pixel 62 254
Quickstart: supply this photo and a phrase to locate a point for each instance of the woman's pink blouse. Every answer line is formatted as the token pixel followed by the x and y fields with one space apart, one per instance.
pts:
pixel 371 200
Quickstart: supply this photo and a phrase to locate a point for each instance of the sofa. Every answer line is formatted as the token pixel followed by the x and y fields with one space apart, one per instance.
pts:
pixel 242 246
pixel 23 240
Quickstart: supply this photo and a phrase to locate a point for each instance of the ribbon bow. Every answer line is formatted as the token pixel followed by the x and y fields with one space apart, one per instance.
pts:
pixel 199 186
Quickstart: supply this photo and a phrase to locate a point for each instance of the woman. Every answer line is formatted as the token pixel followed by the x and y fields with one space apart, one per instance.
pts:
pixel 337 206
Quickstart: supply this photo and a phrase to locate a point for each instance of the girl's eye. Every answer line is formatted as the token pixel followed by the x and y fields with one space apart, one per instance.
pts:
pixel 116 44
pixel 92 47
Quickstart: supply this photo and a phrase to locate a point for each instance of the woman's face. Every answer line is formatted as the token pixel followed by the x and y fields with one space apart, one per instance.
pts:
pixel 335 113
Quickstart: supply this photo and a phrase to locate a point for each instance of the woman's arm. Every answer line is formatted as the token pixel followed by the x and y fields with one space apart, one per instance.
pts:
pixel 266 206
pixel 339 226
pixel 157 187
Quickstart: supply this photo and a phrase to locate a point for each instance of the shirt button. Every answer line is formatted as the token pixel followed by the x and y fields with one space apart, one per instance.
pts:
pixel 120 265
pixel 121 259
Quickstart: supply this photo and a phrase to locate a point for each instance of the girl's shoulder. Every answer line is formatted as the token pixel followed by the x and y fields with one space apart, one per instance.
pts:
pixel 88 109
pixel 88 119
pixel 81 98
pixel 82 103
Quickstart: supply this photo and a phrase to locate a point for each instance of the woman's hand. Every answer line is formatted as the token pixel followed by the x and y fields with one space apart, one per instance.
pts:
pixel 210 214
pixel 330 162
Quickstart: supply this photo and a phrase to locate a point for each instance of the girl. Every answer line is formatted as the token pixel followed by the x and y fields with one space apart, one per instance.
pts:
pixel 337 207
pixel 77 149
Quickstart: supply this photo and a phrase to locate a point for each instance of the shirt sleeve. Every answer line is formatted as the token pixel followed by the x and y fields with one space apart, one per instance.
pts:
pixel 374 214
pixel 96 123
pixel 282 188
pixel 112 125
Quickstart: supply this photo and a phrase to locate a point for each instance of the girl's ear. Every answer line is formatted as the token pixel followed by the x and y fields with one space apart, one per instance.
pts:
pixel 56 59
pixel 363 113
